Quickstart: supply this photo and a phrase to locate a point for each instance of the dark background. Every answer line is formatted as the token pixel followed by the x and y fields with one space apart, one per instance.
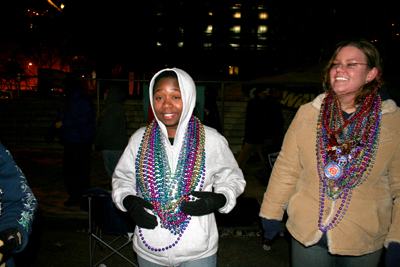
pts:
pixel 125 33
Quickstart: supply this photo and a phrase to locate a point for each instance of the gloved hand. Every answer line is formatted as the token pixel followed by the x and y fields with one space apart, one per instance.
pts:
pixel 392 258
pixel 271 227
pixel 208 203
pixel 135 207
pixel 10 240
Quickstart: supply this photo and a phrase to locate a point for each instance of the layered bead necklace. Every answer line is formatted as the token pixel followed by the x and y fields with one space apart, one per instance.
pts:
pixel 346 151
pixel 164 189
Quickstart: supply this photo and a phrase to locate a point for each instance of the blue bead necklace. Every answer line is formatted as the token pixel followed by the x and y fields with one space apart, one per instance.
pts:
pixel 164 189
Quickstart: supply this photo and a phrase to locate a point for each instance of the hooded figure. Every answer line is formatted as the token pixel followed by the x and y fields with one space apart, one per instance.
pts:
pixel 173 175
pixel 76 122
pixel 111 134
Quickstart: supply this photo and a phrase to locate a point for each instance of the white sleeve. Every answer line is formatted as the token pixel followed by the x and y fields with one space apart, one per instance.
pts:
pixel 228 177
pixel 124 177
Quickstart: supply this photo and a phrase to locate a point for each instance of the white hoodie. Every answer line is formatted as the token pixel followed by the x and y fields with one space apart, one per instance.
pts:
pixel 200 239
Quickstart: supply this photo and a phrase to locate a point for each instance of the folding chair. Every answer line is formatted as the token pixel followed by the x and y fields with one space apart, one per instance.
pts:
pixel 108 220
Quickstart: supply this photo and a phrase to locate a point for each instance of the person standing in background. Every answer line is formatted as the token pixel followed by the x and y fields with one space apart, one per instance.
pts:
pixel 211 113
pixel 255 130
pixel 76 122
pixel 111 133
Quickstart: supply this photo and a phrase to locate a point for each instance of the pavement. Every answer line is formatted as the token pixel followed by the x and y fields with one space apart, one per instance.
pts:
pixel 60 234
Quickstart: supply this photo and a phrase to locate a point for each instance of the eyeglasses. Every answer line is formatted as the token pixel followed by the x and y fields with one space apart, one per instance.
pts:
pixel 346 66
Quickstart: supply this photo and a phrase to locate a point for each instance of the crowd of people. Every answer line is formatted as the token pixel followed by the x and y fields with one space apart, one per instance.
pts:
pixel 337 176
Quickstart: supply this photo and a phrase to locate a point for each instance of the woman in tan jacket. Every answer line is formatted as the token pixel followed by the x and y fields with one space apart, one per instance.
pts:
pixel 338 173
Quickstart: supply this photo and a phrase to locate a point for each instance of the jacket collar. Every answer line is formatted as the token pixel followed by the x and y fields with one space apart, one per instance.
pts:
pixel 388 106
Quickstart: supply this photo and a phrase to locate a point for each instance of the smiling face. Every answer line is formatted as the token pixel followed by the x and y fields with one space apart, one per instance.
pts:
pixel 168 104
pixel 350 72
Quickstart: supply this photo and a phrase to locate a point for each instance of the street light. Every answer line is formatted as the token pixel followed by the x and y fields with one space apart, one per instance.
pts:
pixel 55 6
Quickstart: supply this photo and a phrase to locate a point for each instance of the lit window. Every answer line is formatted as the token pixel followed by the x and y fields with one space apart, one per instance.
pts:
pixel 180 44
pixel 233 70
pixel 236 6
pixel 207 45
pixel 210 13
pixel 235 29
pixel 263 15
pixel 235 46
pixel 262 29
pixel 237 15
pixel 159 44
pixel 209 29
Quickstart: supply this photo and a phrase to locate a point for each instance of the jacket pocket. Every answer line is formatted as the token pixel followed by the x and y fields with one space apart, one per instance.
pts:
pixel 196 238
pixel 303 207
pixel 372 216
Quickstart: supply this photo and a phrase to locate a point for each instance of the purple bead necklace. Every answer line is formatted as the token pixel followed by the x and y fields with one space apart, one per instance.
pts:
pixel 164 189
pixel 346 152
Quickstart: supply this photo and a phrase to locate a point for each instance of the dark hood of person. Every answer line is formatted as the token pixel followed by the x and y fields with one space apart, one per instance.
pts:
pixel 71 86
pixel 115 94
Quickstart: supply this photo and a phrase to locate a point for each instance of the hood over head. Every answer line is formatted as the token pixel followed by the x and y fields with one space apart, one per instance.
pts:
pixel 71 85
pixel 188 93
pixel 115 94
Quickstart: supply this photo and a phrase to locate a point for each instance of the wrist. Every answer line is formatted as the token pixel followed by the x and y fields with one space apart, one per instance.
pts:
pixel 128 201
pixel 221 200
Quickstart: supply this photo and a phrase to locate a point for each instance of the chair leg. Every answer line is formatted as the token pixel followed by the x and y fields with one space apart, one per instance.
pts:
pixel 115 251
pixel 98 240
pixel 90 231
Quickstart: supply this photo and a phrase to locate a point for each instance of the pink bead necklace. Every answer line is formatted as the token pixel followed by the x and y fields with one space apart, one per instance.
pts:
pixel 164 189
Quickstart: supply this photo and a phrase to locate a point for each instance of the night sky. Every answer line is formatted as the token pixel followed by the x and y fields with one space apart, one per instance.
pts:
pixel 123 32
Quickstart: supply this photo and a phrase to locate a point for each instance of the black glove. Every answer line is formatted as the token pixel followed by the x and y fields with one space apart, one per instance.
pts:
pixel 135 207
pixel 10 240
pixel 392 258
pixel 271 228
pixel 208 203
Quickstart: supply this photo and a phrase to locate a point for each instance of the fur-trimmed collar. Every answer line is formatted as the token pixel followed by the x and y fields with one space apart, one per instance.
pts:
pixel 388 106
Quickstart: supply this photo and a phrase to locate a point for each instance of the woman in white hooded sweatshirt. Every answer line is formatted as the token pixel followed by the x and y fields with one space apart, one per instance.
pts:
pixel 173 175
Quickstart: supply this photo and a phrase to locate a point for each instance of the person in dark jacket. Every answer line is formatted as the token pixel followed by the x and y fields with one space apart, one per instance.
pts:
pixel 211 112
pixel 17 208
pixel 111 135
pixel 255 129
pixel 76 121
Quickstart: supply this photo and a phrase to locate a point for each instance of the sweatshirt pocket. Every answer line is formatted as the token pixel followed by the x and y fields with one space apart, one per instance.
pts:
pixel 196 239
